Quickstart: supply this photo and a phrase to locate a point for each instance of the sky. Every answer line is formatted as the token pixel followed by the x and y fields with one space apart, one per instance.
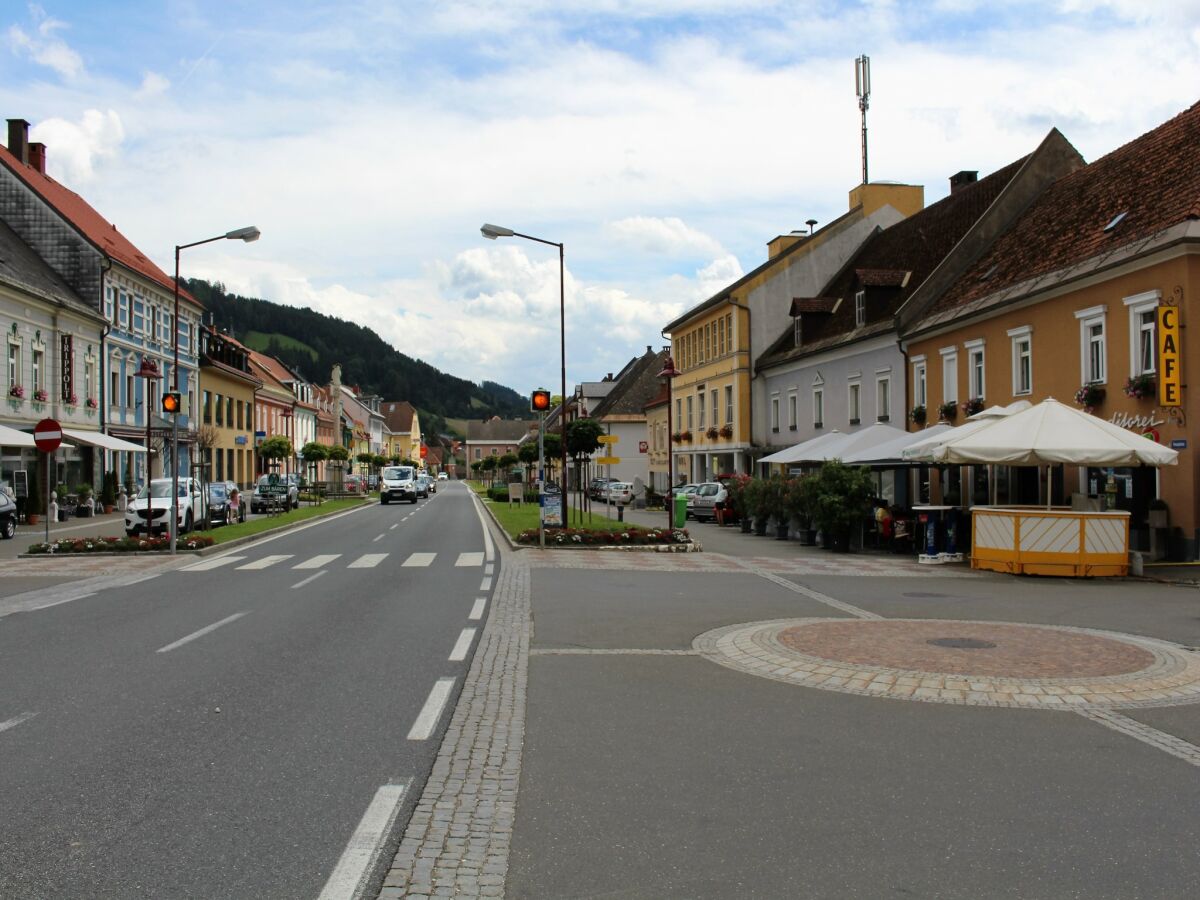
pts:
pixel 662 142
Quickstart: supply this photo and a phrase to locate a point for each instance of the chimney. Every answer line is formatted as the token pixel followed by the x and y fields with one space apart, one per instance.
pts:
pixel 961 179
pixel 18 139
pixel 37 157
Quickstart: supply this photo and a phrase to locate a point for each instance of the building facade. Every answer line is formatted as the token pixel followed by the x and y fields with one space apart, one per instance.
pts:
pixel 227 408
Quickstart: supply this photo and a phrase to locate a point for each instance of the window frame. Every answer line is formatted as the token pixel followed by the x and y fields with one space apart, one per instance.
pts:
pixel 920 371
pixel 818 406
pixel 1090 319
pixel 775 413
pixel 949 374
pixel 1017 338
pixel 792 400
pixel 854 401
pixel 976 369
pixel 1145 303
pixel 729 404
pixel 883 396
pixel 860 309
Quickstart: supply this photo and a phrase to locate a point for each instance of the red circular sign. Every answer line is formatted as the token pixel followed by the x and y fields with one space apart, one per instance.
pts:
pixel 424 451
pixel 47 434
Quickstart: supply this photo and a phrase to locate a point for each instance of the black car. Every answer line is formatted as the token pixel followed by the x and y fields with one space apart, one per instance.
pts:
pixel 8 516
pixel 225 503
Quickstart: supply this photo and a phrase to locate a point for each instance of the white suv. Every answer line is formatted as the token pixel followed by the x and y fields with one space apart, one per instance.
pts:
pixel 150 511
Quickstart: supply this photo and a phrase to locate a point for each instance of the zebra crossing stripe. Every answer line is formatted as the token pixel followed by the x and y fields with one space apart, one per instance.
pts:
pixel 470 559
pixel 368 561
pixel 208 564
pixel 317 562
pixel 419 560
pixel 266 561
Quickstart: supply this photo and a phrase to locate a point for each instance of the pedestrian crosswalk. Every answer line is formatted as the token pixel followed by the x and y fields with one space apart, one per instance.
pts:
pixel 325 560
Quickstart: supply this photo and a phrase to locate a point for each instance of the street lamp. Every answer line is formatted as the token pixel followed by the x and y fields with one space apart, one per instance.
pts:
pixel 150 372
pixel 667 374
pixel 491 232
pixel 247 234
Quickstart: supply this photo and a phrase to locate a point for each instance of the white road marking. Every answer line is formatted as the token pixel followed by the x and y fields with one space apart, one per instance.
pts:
pixel 394 527
pixel 368 561
pixel 212 563
pixel 1159 740
pixel 16 720
pixel 359 857
pixel 462 645
pixel 485 585
pixel 477 609
pixel 266 561
pixel 489 569
pixel 431 712
pixel 317 562
pixel 310 578
pixel 203 631
pixel 470 559
pixel 419 560
pixel 379 537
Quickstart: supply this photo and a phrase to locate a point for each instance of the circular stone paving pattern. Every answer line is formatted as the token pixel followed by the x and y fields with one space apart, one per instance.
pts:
pixel 948 661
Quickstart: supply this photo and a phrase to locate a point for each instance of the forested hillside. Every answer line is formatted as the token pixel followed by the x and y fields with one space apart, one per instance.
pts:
pixel 310 343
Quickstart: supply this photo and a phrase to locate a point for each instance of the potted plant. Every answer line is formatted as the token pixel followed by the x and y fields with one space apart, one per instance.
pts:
pixel 736 500
pixel 1140 386
pixel 1089 396
pixel 755 505
pixel 774 503
pixel 917 414
pixel 1158 514
pixel 711 432
pixel 108 493
pixel 842 497
pixel 726 431
pixel 972 406
pixel 33 503
pixel 685 437
pixel 801 501
pixel 948 410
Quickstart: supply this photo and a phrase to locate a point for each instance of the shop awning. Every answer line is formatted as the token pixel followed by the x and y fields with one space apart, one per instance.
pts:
pixel 103 441
pixel 10 437
pixel 890 451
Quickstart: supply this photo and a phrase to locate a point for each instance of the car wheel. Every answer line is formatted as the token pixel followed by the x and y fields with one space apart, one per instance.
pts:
pixel 187 523
pixel 9 528
pixel 383 500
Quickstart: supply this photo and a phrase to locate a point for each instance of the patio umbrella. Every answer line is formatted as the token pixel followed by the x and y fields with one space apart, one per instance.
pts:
pixel 889 451
pixel 798 452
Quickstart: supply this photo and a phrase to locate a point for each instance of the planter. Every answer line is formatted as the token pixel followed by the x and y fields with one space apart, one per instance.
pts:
pixel 33 518
pixel 841 543
pixel 781 532
pixel 1158 518
pixel 108 508
pixel 808 536
pixel 746 525
pixel 760 527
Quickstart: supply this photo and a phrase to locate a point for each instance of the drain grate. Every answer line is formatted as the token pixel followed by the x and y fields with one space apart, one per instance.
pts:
pixel 962 643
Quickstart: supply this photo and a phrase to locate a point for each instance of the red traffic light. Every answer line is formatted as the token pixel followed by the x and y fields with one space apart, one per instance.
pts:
pixel 424 451
pixel 171 402
pixel 539 401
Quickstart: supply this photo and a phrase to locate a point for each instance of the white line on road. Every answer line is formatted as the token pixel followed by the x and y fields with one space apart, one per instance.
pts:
pixel 470 559
pixel 266 561
pixel 379 537
pixel 359 857
pixel 16 720
pixel 462 645
pixel 317 562
pixel 212 563
pixel 489 569
pixel 203 631
pixel 310 578
pixel 477 609
pixel 394 527
pixel 368 561
pixel 485 585
pixel 427 719
pixel 419 560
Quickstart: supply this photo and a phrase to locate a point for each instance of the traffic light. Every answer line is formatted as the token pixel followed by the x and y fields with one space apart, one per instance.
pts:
pixel 171 402
pixel 539 401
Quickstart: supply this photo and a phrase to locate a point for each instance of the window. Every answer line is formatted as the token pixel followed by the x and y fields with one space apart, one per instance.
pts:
pixel 708 336
pixel 1022 359
pixel 130 400
pixel 883 398
pixel 678 414
pixel 114 388
pixel 818 407
pixel 1142 334
pixel 139 317
pixel 729 331
pixel 184 330
pixel 689 413
pixel 860 309
pixel 975 369
pixel 855 403
pixel 123 309
pixel 89 377
pixel 39 369
pixel 775 413
pixel 791 412
pixel 715 410
pixel 700 408
pixel 109 309
pixel 721 335
pixel 228 412
pixel 220 405
pixel 797 331
pixel 920 394
pixel 949 375
pixel 728 404
pixel 14 363
pixel 1092 355
pixel 207 400
pixel 478 453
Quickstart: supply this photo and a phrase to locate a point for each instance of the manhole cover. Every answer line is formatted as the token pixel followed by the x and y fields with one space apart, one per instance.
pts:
pixel 961 643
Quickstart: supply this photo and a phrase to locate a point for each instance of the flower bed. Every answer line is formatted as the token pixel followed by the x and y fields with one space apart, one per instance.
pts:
pixel 574 537
pixel 120 545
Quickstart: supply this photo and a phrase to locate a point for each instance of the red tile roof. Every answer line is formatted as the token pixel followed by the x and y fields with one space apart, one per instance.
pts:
pixel 882 277
pixel 1154 180
pixel 94 227
pixel 398 415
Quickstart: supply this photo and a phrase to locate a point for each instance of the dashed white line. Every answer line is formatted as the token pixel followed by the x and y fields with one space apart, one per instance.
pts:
pixel 319 561
pixel 489 569
pixel 431 712
pixel 462 645
pixel 358 859
pixel 394 527
pixel 485 585
pixel 16 720
pixel 203 631
pixel 477 609
pixel 378 537
pixel 311 578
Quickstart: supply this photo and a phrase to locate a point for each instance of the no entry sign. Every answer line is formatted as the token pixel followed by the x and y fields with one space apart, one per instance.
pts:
pixel 47 434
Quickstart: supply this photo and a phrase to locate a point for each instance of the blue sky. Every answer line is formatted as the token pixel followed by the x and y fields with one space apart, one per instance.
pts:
pixel 663 141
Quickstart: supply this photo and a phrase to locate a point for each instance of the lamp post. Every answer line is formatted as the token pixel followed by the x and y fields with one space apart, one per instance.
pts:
pixel 667 374
pixel 287 416
pixel 491 232
pixel 247 234
pixel 150 372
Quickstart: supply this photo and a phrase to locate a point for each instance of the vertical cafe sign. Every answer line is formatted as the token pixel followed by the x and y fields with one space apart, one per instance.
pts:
pixel 1170 374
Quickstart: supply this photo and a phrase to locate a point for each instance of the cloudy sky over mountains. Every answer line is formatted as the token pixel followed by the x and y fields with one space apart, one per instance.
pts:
pixel 663 141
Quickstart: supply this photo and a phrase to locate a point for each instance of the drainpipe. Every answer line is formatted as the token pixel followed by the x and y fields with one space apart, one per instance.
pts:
pixel 101 369
pixel 749 369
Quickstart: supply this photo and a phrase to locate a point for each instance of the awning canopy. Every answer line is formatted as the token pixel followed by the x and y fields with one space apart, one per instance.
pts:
pixel 800 451
pixel 11 437
pixel 923 451
pixel 890 451
pixel 835 445
pixel 104 441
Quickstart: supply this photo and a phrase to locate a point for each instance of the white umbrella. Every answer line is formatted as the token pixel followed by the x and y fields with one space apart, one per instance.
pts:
pixel 889 451
pixel 798 452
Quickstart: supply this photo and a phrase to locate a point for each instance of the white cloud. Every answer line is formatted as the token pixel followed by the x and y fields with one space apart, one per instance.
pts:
pixel 153 85
pixel 73 148
pixel 668 236
pixel 43 47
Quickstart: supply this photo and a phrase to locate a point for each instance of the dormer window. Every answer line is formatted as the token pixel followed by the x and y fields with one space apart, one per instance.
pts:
pixel 797 330
pixel 860 309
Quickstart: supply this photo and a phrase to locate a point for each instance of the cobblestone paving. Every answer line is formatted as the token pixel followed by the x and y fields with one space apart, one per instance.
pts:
pixel 84 565
pixel 768 649
pixel 899 566
pixel 457 842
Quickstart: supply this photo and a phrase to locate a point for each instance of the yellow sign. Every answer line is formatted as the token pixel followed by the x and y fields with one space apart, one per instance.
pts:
pixel 608 439
pixel 1170 352
pixel 607 460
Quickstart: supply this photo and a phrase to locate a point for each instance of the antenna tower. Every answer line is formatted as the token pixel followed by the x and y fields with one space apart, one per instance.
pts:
pixel 862 87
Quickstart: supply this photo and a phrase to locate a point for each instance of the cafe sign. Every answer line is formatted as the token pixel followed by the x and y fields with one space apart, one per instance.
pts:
pixel 1170 375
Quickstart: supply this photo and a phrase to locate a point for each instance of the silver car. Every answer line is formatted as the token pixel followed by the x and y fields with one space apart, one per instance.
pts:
pixel 708 496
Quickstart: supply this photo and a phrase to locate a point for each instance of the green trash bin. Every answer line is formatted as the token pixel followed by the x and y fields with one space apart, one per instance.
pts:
pixel 680 511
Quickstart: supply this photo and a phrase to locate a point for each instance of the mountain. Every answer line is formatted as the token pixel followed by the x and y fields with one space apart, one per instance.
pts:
pixel 309 343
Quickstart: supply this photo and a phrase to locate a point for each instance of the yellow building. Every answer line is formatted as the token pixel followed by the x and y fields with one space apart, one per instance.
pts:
pixel 402 425
pixel 715 344
pixel 227 389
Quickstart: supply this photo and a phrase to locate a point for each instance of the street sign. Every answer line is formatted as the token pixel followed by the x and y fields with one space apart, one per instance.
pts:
pixel 608 439
pixel 1179 444
pixel 608 460
pixel 47 434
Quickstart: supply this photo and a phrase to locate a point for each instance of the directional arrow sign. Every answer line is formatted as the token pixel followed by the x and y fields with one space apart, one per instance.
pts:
pixel 47 435
pixel 607 460
pixel 608 439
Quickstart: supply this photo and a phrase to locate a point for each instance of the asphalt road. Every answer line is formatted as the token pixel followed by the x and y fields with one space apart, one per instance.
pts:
pixel 223 731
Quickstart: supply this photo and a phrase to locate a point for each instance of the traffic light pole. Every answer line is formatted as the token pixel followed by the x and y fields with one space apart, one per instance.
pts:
pixel 174 480
pixel 542 480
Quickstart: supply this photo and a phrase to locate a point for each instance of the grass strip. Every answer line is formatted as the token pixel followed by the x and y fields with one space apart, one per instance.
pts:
pixel 270 523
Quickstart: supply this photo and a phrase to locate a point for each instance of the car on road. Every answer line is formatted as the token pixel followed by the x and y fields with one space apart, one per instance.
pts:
pixel 150 511
pixel 597 486
pixel 442 476
pixel 689 491
pixel 286 488
pixel 422 486
pixel 8 516
pixel 430 482
pixel 709 496
pixel 619 492
pixel 398 483
pixel 225 503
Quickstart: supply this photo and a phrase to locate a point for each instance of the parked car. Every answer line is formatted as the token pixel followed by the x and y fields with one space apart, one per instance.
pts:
pixel 352 483
pixel 689 491
pixel 150 511
pixel 619 492
pixel 287 487
pixel 225 503
pixel 8 516
pixel 398 483
pixel 442 476
pixel 596 488
pixel 708 497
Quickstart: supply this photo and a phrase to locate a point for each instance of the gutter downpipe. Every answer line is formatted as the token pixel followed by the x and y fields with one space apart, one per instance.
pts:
pixel 105 267
pixel 750 370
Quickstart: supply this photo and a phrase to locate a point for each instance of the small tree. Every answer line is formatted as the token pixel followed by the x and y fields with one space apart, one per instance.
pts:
pixel 476 467
pixel 277 446
pixel 314 452
pixel 842 499
pixel 506 462
pixel 339 453
pixel 527 453
pixel 488 464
